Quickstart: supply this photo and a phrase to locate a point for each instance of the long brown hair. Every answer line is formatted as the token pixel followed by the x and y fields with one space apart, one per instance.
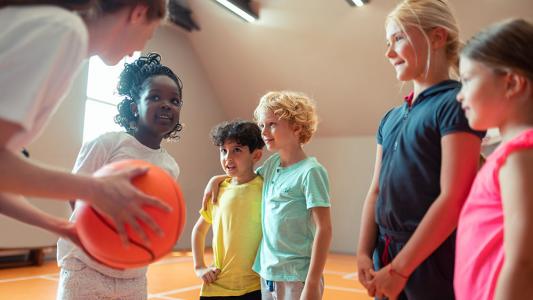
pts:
pixel 157 9
pixel 74 5
pixel 504 45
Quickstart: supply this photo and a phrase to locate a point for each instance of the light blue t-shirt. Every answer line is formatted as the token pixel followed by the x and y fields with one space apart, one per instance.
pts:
pixel 288 227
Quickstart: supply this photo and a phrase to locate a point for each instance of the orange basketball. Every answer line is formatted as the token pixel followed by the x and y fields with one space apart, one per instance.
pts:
pixel 99 236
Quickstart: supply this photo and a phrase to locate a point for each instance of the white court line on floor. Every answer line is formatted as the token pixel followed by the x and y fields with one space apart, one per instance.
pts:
pixel 172 260
pixel 52 278
pixel 44 276
pixel 164 297
pixel 350 276
pixel 344 289
pixel 335 273
pixel 176 291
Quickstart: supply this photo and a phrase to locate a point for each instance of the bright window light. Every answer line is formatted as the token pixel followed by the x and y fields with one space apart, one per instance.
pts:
pixel 102 98
pixel 358 2
pixel 234 8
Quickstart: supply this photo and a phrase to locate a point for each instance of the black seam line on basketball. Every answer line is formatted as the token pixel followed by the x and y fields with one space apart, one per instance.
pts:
pixel 111 227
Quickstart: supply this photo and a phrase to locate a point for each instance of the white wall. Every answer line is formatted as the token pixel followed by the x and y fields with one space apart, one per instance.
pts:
pixel 58 146
pixel 350 163
pixel 194 152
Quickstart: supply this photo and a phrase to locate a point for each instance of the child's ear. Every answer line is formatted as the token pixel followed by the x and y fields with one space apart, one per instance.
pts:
pixel 296 128
pixel 138 14
pixel 515 84
pixel 438 37
pixel 134 109
pixel 257 154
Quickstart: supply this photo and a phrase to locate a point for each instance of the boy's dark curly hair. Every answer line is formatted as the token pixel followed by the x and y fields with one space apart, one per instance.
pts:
pixel 244 133
pixel 133 80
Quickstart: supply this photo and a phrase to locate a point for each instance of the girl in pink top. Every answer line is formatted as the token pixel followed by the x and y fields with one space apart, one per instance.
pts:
pixel 495 232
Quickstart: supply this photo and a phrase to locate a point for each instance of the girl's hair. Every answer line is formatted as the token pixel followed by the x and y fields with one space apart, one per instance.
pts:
pixel 296 108
pixel 244 133
pixel 503 46
pixel 426 15
pixel 157 9
pixel 133 80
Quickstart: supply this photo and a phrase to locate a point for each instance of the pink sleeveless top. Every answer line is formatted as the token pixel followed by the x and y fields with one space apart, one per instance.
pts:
pixel 479 248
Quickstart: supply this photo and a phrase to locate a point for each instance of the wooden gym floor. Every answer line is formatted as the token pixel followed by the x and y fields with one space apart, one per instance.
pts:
pixel 172 278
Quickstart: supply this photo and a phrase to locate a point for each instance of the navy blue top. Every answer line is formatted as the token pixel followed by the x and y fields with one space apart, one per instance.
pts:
pixel 409 178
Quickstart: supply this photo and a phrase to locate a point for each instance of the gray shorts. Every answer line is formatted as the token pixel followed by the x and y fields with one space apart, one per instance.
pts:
pixel 80 282
pixel 284 290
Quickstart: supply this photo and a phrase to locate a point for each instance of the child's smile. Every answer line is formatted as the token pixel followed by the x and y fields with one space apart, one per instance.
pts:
pixel 161 101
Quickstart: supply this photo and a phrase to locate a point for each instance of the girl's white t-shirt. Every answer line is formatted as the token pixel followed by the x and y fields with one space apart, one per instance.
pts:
pixel 41 49
pixel 107 148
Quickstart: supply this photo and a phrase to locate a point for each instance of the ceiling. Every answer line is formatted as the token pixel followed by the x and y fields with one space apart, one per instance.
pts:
pixel 327 49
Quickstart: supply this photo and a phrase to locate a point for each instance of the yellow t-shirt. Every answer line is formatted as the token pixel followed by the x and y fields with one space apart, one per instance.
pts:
pixel 236 222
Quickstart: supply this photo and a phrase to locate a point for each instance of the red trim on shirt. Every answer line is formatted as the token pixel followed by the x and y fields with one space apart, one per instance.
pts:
pixel 409 98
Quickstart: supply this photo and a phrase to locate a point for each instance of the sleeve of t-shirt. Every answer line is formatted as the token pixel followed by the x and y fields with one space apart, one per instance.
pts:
pixel 38 60
pixel 451 118
pixel 379 133
pixel 208 213
pixel 266 166
pixel 260 170
pixel 93 155
pixel 316 188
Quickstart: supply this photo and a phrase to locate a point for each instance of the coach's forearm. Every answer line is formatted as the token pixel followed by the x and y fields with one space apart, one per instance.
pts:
pixel 25 177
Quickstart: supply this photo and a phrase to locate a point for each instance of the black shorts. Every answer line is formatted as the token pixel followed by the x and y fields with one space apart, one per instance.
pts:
pixel 255 295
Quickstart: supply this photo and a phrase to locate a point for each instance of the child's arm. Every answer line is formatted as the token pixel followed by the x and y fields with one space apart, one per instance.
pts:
pixel 199 232
pixel 18 208
pixel 211 189
pixel 460 156
pixel 368 230
pixel 319 254
pixel 114 195
pixel 516 178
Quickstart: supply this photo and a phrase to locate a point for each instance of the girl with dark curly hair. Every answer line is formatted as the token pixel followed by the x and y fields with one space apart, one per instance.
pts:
pixel 150 112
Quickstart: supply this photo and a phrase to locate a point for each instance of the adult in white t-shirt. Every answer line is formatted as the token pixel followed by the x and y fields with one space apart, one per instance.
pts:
pixel 41 48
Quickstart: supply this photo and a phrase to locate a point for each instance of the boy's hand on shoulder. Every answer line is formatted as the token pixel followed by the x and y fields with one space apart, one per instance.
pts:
pixel 207 274
pixel 211 190
pixel 311 292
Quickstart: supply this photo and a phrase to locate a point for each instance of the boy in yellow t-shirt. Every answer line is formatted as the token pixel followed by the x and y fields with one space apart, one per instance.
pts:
pixel 236 217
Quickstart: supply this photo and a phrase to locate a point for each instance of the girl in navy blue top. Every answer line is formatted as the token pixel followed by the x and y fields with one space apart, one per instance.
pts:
pixel 426 160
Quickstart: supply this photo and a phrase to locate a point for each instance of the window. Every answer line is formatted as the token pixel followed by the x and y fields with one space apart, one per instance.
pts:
pixel 102 97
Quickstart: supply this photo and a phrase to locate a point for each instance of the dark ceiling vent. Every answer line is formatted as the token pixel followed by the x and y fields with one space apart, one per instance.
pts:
pixel 181 15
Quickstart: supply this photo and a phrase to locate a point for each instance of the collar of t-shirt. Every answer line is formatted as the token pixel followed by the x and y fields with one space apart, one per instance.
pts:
pixel 432 90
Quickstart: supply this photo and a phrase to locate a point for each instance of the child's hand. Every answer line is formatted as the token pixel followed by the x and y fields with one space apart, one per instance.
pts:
pixel 311 292
pixel 69 231
pixel 211 190
pixel 118 198
pixel 208 275
pixel 364 265
pixel 387 283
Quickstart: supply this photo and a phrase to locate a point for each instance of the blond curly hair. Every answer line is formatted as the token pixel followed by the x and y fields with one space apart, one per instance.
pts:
pixel 297 108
